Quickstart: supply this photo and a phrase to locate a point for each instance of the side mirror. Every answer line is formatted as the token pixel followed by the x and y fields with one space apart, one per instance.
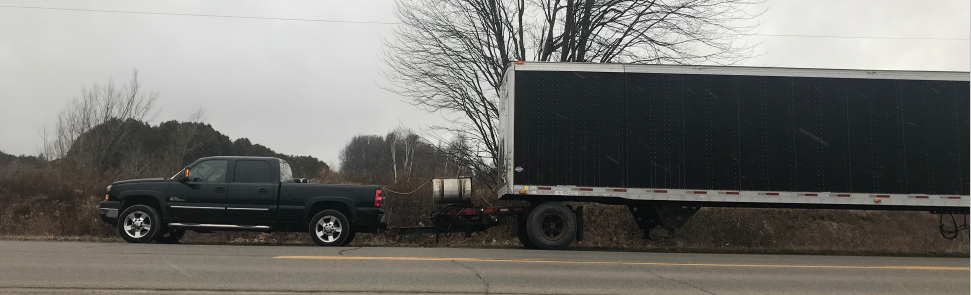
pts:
pixel 185 175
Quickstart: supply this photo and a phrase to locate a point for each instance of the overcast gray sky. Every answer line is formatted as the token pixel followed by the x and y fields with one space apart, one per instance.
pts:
pixel 306 88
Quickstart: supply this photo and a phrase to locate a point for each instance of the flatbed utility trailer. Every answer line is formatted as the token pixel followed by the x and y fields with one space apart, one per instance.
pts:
pixel 666 140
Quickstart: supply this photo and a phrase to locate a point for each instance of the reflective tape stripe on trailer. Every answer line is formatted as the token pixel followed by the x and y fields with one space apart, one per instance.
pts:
pixel 759 193
pixel 740 196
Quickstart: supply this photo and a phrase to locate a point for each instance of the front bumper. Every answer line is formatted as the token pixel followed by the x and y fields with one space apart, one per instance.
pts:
pixel 109 211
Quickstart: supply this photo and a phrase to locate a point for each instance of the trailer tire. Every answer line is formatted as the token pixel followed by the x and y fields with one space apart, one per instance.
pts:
pixel 551 226
pixel 523 237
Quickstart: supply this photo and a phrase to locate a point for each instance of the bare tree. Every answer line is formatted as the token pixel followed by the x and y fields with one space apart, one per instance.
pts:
pixel 410 143
pixel 185 140
pixel 365 159
pixel 97 107
pixel 402 144
pixel 450 55
pixel 393 139
pixel 400 157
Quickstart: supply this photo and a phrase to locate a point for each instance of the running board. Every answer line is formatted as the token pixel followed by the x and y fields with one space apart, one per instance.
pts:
pixel 219 226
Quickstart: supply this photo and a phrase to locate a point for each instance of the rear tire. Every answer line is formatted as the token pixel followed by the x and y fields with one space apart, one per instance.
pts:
pixel 350 238
pixel 330 228
pixel 170 236
pixel 551 226
pixel 139 224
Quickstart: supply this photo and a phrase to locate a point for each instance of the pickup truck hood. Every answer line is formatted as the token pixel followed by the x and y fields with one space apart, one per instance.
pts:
pixel 141 180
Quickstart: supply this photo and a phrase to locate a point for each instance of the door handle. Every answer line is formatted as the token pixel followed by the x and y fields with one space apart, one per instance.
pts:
pixel 220 190
pixel 264 191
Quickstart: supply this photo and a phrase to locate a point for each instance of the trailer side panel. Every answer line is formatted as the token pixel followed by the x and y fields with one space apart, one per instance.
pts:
pixel 741 132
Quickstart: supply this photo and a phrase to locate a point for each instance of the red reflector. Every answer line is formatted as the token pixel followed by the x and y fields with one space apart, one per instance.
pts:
pixel 620 190
pixel 771 194
pixel 378 197
pixel 953 197
pixel 700 192
pixel 488 210
pixel 843 195
pixel 518 209
pixel 543 188
pixel 732 193
pixel 923 197
pixel 883 196
pixel 585 189
pixel 811 195
pixel 660 191
pixel 467 212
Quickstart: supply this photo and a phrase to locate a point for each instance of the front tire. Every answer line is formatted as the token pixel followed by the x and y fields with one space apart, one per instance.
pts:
pixel 551 226
pixel 139 224
pixel 330 228
pixel 170 236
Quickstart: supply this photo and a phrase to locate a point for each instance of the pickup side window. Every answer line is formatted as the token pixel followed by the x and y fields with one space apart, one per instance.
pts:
pixel 209 171
pixel 286 175
pixel 249 171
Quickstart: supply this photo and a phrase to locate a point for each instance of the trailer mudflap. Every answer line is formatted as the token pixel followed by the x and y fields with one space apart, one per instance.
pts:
pixel 579 214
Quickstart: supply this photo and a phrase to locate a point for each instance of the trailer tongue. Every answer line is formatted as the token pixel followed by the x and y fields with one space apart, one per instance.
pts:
pixel 457 214
pixel 667 140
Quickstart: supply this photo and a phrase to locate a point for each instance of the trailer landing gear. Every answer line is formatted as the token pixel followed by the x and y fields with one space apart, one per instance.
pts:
pixel 668 215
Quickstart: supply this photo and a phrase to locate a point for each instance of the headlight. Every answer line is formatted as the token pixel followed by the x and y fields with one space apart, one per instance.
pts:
pixel 108 189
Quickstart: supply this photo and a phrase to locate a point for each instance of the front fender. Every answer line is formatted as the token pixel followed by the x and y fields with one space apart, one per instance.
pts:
pixel 351 212
pixel 155 194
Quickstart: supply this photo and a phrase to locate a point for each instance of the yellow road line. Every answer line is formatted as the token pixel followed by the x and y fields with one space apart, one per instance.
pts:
pixel 619 263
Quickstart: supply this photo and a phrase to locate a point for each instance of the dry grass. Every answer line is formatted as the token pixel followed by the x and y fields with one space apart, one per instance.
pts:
pixel 48 204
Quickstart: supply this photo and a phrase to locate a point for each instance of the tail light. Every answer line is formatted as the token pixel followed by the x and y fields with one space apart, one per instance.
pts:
pixel 378 197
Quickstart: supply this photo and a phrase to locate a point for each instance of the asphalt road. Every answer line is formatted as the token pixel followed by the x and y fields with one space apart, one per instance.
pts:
pixel 119 268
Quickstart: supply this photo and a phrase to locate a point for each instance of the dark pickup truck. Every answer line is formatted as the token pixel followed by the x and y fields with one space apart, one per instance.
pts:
pixel 240 194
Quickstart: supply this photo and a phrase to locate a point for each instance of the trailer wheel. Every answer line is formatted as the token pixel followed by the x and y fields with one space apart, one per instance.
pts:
pixel 523 237
pixel 551 226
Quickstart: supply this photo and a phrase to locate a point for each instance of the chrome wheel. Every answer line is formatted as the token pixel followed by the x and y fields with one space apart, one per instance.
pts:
pixel 137 224
pixel 329 229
